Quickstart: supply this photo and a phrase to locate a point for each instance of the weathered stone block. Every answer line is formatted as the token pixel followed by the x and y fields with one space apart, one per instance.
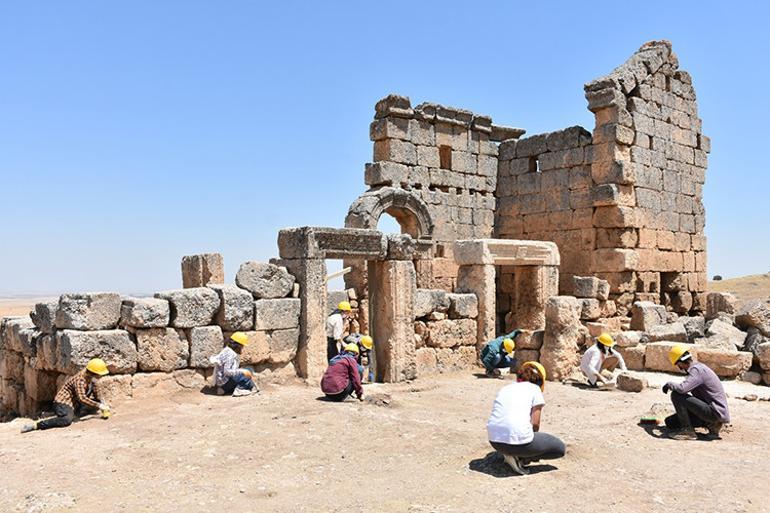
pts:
pixel 44 315
pixel 191 307
pixel 236 311
pixel 145 312
pixel 463 306
pixel 762 352
pixel 629 382
pixel 529 339
pixel 115 389
pixel 589 309
pixel 201 270
pixel 89 311
pixel 674 332
pixel 645 315
pixel 283 345
pixel 258 348
pixel 396 151
pixel 430 300
pixel 276 314
pixel 427 363
pixel 559 353
pixel 726 364
pixel 161 349
pixel 634 356
pixel 115 347
pixel 720 334
pixel 754 314
pixel 656 355
pixel 39 385
pixel 629 338
pixel 264 281
pixel 451 333
pixel 205 342
pixel 695 326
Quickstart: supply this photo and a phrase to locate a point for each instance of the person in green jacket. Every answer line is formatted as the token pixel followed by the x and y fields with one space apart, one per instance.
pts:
pixel 498 354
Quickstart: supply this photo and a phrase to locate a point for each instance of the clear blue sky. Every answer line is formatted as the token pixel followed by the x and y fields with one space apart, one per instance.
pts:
pixel 132 133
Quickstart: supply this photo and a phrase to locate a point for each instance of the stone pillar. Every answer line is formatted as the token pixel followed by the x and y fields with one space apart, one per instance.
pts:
pixel 311 277
pixel 560 354
pixel 200 270
pixel 480 280
pixel 392 291
pixel 533 285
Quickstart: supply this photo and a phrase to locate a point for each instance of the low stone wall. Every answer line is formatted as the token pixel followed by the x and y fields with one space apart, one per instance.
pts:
pixel 445 331
pixel 150 342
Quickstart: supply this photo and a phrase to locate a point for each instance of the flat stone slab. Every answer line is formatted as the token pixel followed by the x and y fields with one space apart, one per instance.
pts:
pixel 506 252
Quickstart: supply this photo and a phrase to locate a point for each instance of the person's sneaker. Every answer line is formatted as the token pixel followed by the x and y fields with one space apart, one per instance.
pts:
pixel 240 392
pixel 515 464
pixel 715 429
pixel 683 434
pixel 26 428
pixel 494 373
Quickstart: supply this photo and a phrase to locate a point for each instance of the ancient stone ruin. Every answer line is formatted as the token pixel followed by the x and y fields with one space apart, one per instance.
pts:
pixel 564 235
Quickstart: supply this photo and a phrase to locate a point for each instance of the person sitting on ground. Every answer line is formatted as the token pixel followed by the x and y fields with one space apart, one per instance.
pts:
pixel 230 378
pixel 79 395
pixel 342 377
pixel 699 400
pixel 600 361
pixel 514 426
pixel 364 343
pixel 498 354
pixel 335 329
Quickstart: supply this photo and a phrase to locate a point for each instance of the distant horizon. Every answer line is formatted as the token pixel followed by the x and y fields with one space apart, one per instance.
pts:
pixel 136 134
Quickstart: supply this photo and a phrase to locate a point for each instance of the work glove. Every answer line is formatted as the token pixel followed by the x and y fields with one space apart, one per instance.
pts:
pixel 666 388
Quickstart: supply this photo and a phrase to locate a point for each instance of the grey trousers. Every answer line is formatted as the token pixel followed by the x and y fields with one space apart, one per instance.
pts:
pixel 690 412
pixel 542 447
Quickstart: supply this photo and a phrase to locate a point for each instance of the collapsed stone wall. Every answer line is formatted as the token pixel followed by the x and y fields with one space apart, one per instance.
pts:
pixel 624 203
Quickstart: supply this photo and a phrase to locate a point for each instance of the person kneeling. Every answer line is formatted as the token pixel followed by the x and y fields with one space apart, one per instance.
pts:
pixel 230 378
pixel 78 393
pixel 342 376
pixel 600 361
pixel 514 426
pixel 498 354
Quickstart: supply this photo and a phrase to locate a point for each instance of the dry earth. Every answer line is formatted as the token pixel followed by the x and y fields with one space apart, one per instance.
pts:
pixel 745 288
pixel 425 451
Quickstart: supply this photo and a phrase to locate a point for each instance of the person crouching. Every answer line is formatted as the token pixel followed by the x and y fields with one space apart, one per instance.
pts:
pixel 342 377
pixel 230 378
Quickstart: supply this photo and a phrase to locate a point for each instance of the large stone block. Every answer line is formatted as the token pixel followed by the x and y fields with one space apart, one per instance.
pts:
pixel 161 349
pixel 674 332
pixel 275 314
pixel 763 356
pixel 645 315
pixel 89 311
pixel 39 385
pixel 264 281
pixel 257 350
pixel 559 353
pixel 115 347
pixel 326 243
pixel 656 355
pixel 591 287
pixel 461 358
pixel 717 302
pixel 754 314
pixel 191 307
pixel 695 326
pixel 629 382
pixel 463 306
pixel 430 300
pixel 201 270
pixel 115 389
pixel 43 315
pixel 726 364
pixel 589 309
pixel 47 353
pixel 283 345
pixel 236 311
pixel 146 312
pixel 427 363
pixel 205 342
pixel 720 334
pixel 451 333
pixel 629 338
pixel 633 356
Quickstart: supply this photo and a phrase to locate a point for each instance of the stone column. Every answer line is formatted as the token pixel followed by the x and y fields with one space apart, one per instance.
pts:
pixel 480 280
pixel 533 285
pixel 559 353
pixel 311 277
pixel 200 270
pixel 392 291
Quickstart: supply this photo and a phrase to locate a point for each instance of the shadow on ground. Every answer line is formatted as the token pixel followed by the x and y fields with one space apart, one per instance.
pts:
pixel 493 465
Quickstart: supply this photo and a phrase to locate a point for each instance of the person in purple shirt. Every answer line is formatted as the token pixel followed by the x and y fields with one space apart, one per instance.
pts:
pixel 699 400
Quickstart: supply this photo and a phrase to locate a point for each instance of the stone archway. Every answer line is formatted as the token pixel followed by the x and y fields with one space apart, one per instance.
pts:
pixel 409 209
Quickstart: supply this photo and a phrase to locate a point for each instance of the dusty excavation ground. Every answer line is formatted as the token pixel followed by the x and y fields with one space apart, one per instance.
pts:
pixel 424 451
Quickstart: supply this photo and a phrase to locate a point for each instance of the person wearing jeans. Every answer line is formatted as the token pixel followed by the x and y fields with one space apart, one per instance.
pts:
pixel 514 425
pixel 230 378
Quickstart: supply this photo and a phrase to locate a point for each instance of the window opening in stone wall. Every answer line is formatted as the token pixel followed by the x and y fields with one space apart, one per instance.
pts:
pixel 534 165
pixel 445 157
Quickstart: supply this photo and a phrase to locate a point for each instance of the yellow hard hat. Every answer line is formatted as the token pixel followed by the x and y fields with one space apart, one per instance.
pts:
pixel 344 306
pixel 540 369
pixel 509 345
pixel 351 348
pixel 240 337
pixel 97 366
pixel 676 353
pixel 367 342
pixel 606 339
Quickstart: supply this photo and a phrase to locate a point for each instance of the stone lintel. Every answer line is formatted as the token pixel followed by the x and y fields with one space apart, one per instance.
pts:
pixel 506 252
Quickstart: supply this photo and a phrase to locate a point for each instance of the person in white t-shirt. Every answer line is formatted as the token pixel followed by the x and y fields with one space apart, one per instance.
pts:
pixel 514 426
pixel 335 329
pixel 600 361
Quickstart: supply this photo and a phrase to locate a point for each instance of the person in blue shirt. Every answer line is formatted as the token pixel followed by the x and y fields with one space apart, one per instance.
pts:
pixel 498 354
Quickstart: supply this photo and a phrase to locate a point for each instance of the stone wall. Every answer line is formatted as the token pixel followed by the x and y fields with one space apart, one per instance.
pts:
pixel 149 342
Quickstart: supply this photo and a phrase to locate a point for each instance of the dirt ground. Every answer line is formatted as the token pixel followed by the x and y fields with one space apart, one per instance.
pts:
pixel 745 288
pixel 284 450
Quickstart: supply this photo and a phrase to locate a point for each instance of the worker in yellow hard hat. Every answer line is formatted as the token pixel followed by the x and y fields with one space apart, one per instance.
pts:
pixel 600 361
pixel 230 378
pixel 335 328
pixel 77 396
pixel 514 425
pixel 699 400
pixel 498 354
pixel 342 377
pixel 365 344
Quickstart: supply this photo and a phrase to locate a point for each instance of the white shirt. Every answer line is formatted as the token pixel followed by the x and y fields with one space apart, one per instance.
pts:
pixel 511 419
pixel 227 362
pixel 335 326
pixel 591 363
